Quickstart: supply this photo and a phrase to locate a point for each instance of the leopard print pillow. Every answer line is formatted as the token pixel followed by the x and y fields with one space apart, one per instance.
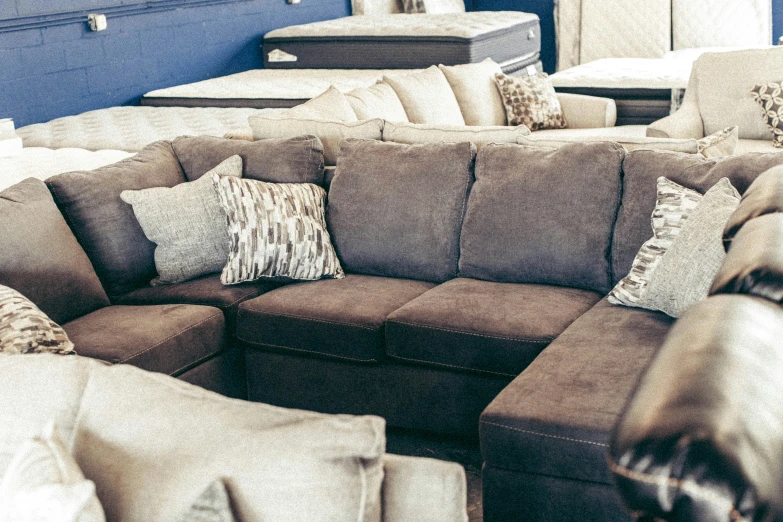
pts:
pixel 24 328
pixel 531 101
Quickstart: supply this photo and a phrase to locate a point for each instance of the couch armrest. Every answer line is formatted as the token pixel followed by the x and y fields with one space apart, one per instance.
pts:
pixel 587 112
pixel 683 124
pixel 418 490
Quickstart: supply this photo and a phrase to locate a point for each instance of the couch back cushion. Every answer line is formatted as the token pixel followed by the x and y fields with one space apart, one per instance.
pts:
pixel 396 210
pixel 105 225
pixel 539 215
pixel 642 168
pixel 479 136
pixel 285 160
pixel 40 257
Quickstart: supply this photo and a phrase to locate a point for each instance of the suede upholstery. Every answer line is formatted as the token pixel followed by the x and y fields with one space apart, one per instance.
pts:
pixel 764 196
pixel 164 338
pixel 396 210
pixel 483 326
pixel 40 257
pixel 105 225
pixel 340 318
pixel 515 233
pixel 294 160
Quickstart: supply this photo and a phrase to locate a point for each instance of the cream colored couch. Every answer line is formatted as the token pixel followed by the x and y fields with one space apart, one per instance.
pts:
pixel 718 96
pixel 151 443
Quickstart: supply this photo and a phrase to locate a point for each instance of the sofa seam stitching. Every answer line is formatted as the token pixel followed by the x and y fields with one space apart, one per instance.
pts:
pixel 544 434
pixel 461 224
pixel 225 306
pixel 172 336
pixel 543 340
pixel 450 365
pixel 199 362
pixel 277 314
pixel 305 351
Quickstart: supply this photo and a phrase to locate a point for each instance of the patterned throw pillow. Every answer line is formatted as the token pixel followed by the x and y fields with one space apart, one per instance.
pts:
pixel 531 101
pixel 770 97
pixel 212 505
pixel 276 230
pixel 674 204
pixel 719 144
pixel 24 328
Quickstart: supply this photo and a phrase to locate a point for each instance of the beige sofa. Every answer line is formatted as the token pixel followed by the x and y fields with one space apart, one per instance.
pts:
pixel 151 443
pixel 718 96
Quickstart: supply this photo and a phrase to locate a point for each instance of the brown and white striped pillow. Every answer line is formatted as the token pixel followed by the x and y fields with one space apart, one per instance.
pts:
pixel 276 230
pixel 24 328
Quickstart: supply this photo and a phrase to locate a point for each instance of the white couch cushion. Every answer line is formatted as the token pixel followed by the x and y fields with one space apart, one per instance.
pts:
pixel 427 97
pixel 476 92
pixel 417 133
pixel 377 101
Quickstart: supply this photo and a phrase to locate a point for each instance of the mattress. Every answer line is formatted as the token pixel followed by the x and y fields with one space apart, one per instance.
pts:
pixel 407 41
pixel 43 163
pixel 132 128
pixel 724 23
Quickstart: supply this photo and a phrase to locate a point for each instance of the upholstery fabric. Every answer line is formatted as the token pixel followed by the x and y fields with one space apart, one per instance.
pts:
pixel 531 101
pixel 163 338
pixel 642 168
pixel 41 258
pixel 286 160
pixel 187 224
pixel 331 132
pixel 413 133
pixel 476 92
pixel 544 139
pixel 719 144
pixel 24 328
pixel 433 6
pixel 514 233
pixel 769 97
pixel 329 105
pixel 212 505
pixel 275 230
pixel 427 97
pixel 377 101
pixel 417 196
pixel 105 226
pixel 764 196
pixel 339 318
pixel 687 269
pixel 705 23
pixel 482 326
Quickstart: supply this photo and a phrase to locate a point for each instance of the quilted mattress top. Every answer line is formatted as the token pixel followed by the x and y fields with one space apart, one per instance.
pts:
pixel 627 73
pixel 133 128
pixel 472 25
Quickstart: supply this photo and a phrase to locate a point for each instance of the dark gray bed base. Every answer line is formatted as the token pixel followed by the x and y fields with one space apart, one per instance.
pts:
pixel 634 106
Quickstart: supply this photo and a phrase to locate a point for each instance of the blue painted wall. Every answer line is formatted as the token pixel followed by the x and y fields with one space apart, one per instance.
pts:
pixel 52 65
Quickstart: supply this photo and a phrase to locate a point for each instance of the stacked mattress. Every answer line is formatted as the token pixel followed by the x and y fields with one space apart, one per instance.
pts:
pixel 407 41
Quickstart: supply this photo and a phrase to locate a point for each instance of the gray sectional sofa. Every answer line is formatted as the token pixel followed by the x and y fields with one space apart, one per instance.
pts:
pixel 473 302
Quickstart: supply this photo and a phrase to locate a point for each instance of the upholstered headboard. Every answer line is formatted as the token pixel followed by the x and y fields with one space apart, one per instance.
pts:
pixel 376 7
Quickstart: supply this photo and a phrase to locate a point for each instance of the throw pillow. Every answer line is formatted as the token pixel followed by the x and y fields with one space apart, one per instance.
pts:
pixel 686 270
pixel 186 223
pixel 531 101
pixel 719 144
pixel 212 505
pixel 43 483
pixel 377 101
pixel 477 95
pixel 24 328
pixel 417 133
pixel 329 105
pixel 770 97
pixel 433 6
pixel 427 97
pixel 276 230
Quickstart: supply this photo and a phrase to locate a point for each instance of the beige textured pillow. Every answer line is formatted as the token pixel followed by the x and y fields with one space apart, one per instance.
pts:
pixel 720 144
pixel 476 92
pixel 531 101
pixel 427 97
pixel 413 133
pixel 329 105
pixel 377 101
pixel 212 505
pixel 688 146
pixel 331 132
pixel 24 328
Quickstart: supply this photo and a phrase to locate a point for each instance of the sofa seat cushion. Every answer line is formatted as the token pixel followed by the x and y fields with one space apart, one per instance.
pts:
pixel 206 291
pixel 163 338
pixel 556 417
pixel 483 326
pixel 340 318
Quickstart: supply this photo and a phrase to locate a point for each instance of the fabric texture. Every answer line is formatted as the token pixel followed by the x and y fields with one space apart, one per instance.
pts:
pixel 545 139
pixel 43 483
pixel 687 269
pixel 770 97
pixel 433 6
pixel 331 132
pixel 377 101
pixel 276 230
pixel 476 92
pixel 329 105
pixel 187 224
pixel 531 101
pixel 24 328
pixel 412 133
pixel 721 143
pixel 673 206
pixel 417 195
pixel 212 505
pixel 427 97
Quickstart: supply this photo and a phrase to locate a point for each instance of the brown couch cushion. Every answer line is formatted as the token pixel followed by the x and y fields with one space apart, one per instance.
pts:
pixel 207 291
pixel 764 196
pixel 40 257
pixel 556 417
pixel 483 326
pixel 642 168
pixel 396 210
pixel 538 215
pixel 105 225
pixel 341 318
pixel 167 338
pixel 294 160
